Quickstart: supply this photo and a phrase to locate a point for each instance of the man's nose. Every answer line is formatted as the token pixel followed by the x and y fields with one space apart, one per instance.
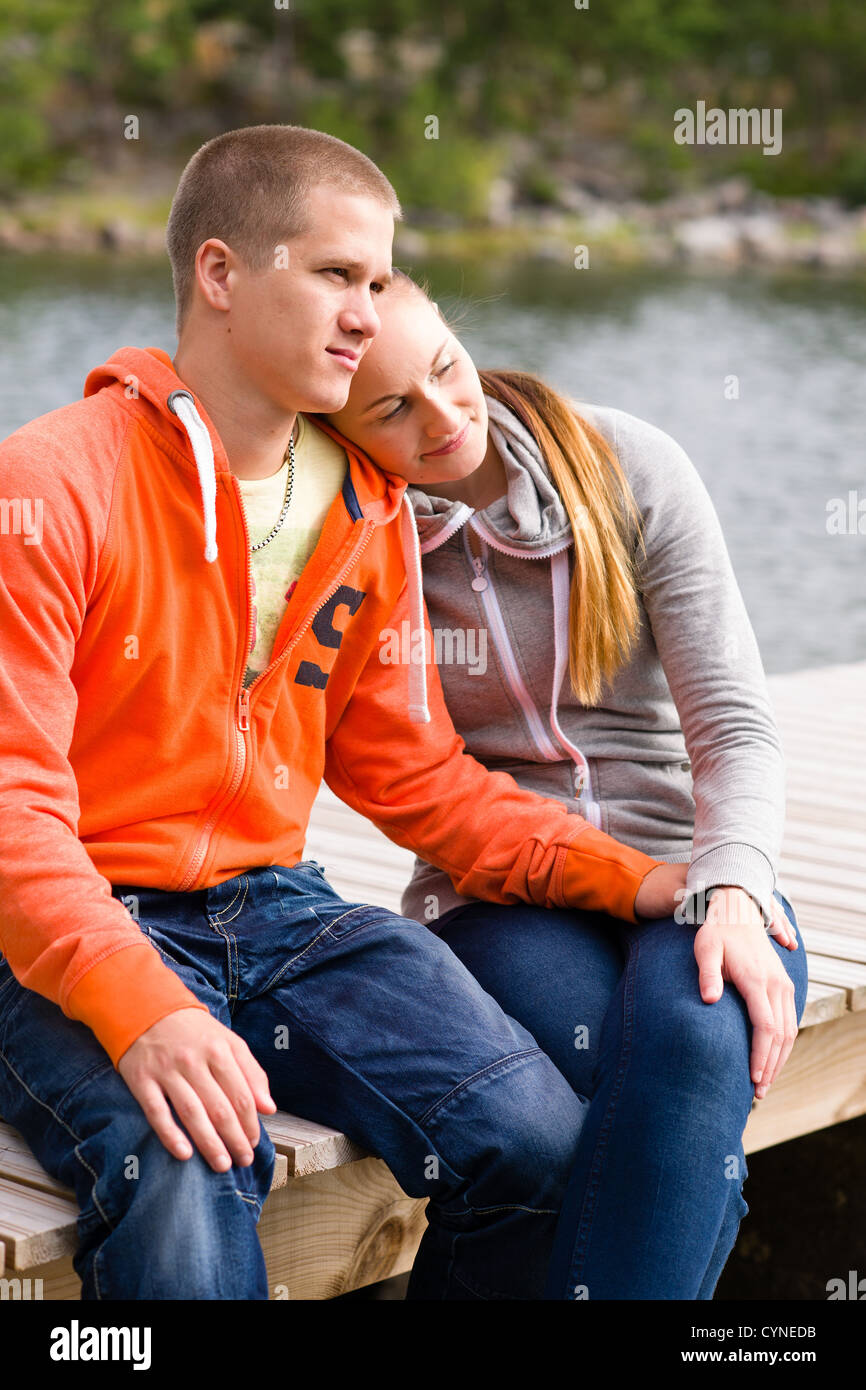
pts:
pixel 360 316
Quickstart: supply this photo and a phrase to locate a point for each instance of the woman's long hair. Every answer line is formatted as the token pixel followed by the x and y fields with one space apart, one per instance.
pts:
pixel 604 613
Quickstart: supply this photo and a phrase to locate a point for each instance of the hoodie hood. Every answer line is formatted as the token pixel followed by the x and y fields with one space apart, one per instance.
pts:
pixel 147 380
pixel 530 518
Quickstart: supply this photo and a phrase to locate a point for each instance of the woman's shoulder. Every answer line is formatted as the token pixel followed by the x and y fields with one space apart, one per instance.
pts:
pixel 651 459
pixel 626 432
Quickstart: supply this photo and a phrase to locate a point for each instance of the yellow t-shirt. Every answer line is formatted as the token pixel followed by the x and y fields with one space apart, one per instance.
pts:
pixel 320 467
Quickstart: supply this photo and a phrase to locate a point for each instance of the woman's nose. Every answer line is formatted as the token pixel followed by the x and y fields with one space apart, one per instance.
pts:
pixel 443 419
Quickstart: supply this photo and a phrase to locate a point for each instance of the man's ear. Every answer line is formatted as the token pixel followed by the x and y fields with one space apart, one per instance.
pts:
pixel 215 263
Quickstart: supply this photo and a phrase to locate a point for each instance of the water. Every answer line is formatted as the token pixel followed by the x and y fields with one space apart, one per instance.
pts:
pixel 659 344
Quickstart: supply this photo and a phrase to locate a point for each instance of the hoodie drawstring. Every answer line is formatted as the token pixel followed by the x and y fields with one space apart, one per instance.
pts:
pixel 561 591
pixel 181 404
pixel 418 711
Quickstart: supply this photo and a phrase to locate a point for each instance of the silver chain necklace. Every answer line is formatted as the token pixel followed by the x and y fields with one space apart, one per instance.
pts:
pixel 290 456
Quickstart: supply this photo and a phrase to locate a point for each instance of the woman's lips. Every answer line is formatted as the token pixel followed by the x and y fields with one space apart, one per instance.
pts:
pixel 450 448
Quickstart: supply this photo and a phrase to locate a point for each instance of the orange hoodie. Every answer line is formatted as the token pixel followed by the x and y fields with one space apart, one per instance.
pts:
pixel 130 751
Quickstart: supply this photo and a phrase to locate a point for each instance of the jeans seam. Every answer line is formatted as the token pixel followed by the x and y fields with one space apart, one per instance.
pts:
pixel 232 970
pixel 515 1206
pixel 584 1225
pixel 217 918
pixel 361 907
pixel 266 988
pixel 476 1076
pixel 77 1137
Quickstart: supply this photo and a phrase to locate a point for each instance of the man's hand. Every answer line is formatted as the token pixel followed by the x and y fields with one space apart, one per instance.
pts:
pixel 732 945
pixel 210 1077
pixel 661 891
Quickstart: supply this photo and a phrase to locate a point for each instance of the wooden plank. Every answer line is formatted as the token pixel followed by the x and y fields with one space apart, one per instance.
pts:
pixel 18 1164
pixel 54 1281
pixel 822 1083
pixel 823 1003
pixel 837 944
pixel 827 895
pixel 307 1147
pixel 844 974
pixel 35 1226
pixel 335 1231
pixel 820 873
pixel 321 1235
pixel 843 924
pixel 808 857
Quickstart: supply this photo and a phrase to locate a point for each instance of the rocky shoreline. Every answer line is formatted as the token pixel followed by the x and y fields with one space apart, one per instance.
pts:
pixel 729 224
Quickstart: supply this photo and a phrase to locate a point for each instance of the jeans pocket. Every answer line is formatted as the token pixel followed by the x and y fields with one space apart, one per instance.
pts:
pixel 352 919
pixel 157 942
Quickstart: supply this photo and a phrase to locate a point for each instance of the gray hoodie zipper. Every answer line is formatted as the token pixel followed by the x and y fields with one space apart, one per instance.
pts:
pixel 483 585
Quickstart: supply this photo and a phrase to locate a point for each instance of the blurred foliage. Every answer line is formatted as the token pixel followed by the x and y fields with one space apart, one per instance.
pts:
pixel 504 78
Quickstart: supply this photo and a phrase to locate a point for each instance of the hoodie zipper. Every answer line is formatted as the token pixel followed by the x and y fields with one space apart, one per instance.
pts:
pixel 242 712
pixel 483 584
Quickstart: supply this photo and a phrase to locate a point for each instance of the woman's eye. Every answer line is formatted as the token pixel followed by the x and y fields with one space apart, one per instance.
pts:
pixel 446 368
pixel 395 411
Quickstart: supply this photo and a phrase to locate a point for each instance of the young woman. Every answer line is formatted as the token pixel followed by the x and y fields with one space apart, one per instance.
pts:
pixel 556 539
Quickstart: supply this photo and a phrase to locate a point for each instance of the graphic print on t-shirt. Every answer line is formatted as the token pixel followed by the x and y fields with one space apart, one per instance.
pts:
pixel 320 467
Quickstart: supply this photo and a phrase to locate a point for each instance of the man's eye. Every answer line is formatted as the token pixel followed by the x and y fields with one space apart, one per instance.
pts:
pixel 336 270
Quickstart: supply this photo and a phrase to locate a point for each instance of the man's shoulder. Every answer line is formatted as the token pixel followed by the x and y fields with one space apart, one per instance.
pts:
pixel 81 439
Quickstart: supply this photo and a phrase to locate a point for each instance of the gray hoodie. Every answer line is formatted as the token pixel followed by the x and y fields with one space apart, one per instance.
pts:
pixel 681 757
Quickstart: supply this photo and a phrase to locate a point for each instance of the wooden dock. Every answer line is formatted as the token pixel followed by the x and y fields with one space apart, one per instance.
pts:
pixel 336 1218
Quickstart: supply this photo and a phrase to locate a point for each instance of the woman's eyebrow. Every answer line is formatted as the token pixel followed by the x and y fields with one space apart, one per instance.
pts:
pixel 391 394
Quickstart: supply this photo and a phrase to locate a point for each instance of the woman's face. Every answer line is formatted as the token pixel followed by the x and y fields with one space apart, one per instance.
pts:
pixel 416 392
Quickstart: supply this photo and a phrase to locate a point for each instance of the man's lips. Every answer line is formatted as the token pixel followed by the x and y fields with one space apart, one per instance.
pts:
pixel 449 448
pixel 347 356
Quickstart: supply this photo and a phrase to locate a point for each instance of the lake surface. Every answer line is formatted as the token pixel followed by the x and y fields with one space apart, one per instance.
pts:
pixel 657 343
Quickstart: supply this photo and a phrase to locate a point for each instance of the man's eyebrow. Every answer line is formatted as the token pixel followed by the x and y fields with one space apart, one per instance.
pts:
pixel 391 394
pixel 385 279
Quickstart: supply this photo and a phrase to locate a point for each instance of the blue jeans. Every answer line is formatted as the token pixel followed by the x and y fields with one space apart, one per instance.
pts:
pixel 361 1019
pixel 654 1201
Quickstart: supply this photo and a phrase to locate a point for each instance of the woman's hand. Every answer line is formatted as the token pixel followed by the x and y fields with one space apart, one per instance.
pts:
pixel 732 945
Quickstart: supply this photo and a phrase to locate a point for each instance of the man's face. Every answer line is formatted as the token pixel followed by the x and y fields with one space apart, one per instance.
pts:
pixel 290 323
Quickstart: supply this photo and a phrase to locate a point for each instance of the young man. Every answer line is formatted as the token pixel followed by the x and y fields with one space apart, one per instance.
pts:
pixel 189 643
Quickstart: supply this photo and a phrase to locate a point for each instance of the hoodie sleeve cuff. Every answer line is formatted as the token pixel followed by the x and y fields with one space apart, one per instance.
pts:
pixel 602 875
pixel 125 994
pixel 730 866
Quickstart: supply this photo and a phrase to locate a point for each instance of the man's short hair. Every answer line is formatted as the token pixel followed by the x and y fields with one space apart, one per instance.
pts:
pixel 248 188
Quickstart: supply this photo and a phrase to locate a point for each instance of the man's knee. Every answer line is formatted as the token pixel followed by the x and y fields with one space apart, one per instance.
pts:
pixel 513 1129
pixel 123 1160
pixel 155 1226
